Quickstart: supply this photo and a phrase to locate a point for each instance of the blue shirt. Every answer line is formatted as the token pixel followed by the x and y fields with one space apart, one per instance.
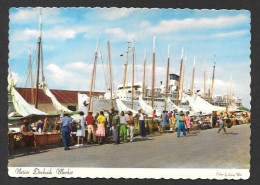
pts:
pixel 66 121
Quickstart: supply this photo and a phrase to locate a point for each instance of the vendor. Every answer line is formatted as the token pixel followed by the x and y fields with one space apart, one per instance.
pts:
pixel 26 126
pixel 39 125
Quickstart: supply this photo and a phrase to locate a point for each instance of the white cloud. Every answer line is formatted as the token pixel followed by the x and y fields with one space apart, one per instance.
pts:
pixel 24 35
pixel 75 76
pixel 230 34
pixel 54 33
pixel 33 14
pixel 115 13
pixel 119 34
pixel 167 26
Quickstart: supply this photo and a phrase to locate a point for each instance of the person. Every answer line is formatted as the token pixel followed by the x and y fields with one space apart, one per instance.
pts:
pixel 123 131
pixel 181 126
pixel 110 119
pixel 100 133
pixel 26 126
pixel 140 117
pixel 154 114
pixel 173 121
pixel 116 127
pixel 221 123
pixel 81 131
pixel 160 125
pixel 177 118
pixel 187 122
pixel 170 114
pixel 90 122
pixel 66 122
pixel 131 126
pixel 170 117
pixel 39 127
pixel 96 116
pixel 214 118
pixel 164 120
pixel 46 125
pixel 200 117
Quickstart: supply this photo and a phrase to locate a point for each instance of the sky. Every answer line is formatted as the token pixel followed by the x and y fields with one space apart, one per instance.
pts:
pixel 70 37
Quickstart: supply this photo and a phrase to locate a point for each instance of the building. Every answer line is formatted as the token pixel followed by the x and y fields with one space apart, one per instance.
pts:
pixel 68 98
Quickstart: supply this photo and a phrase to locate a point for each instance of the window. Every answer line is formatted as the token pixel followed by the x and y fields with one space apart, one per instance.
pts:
pixel 72 107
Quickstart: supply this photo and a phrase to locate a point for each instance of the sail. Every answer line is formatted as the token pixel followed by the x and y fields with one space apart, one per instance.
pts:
pixel 58 106
pixel 21 106
pixel 173 106
pixel 193 105
pixel 207 105
pixel 122 107
pixel 200 105
pixel 147 108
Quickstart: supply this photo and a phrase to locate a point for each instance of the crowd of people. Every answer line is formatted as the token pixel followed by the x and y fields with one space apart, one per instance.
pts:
pixel 119 127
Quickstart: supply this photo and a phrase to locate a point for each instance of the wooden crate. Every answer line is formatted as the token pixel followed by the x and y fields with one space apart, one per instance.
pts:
pixel 40 140
pixel 53 138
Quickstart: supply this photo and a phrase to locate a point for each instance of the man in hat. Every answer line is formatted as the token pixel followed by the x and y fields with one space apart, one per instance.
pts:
pixel 66 123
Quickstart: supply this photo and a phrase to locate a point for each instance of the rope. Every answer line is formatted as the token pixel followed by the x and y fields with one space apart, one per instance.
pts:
pixel 105 75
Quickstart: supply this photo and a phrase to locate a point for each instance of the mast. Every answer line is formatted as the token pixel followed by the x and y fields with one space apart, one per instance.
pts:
pixel 167 79
pixel 143 91
pixel 126 65
pixel 192 80
pixel 110 73
pixel 38 59
pixel 182 83
pixel 208 89
pixel 30 73
pixel 133 76
pixel 179 80
pixel 92 78
pixel 153 72
pixel 204 93
pixel 213 78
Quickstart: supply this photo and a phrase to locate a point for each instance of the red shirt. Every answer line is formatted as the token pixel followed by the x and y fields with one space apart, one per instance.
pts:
pixel 170 115
pixel 89 119
pixel 154 115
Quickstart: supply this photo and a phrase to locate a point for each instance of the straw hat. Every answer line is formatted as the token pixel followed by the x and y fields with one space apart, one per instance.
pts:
pixel 66 112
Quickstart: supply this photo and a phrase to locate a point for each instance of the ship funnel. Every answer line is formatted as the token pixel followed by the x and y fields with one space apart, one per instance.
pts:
pixel 173 81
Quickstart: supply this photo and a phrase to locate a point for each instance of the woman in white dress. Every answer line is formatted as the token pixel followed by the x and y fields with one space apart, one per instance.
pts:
pixel 81 130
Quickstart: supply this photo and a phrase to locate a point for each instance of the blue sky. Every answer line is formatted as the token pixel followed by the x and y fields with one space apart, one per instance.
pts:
pixel 70 34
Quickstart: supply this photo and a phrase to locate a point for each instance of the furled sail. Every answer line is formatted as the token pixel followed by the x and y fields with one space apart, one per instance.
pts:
pixel 21 106
pixel 58 106
pixel 147 108
pixel 122 107
pixel 200 105
pixel 172 105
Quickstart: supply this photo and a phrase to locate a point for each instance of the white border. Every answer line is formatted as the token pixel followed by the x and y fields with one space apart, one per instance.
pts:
pixel 140 173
